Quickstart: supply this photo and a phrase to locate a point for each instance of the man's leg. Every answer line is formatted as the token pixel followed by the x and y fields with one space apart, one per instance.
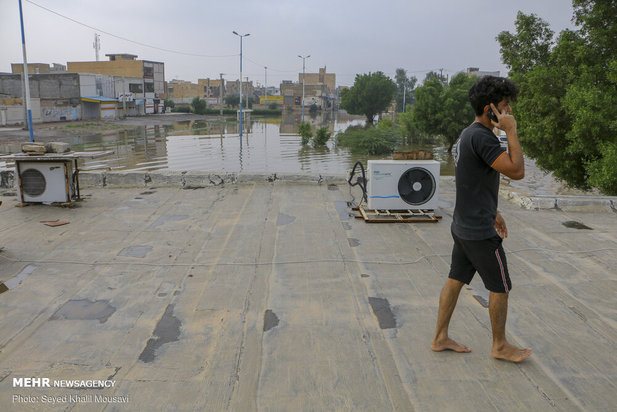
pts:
pixel 447 303
pixel 502 349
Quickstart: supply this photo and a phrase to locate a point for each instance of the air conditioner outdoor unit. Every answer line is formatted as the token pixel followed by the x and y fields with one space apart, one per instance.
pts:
pixel 403 184
pixel 46 181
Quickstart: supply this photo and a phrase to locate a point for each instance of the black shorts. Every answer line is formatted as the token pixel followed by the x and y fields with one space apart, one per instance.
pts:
pixel 485 256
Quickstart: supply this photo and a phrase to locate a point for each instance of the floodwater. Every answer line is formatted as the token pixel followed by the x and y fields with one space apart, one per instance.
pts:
pixel 268 145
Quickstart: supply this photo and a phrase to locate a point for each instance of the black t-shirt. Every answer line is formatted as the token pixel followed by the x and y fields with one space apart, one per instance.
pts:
pixel 477 183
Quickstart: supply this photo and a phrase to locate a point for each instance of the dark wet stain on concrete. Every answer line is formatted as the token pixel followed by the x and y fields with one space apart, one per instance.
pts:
pixel 192 187
pixel 332 187
pixel 381 309
pixel 167 330
pixel 135 251
pixel 270 320
pixel 149 192
pixel 481 300
pixel 137 199
pixel 343 210
pixel 572 224
pixel 84 309
pixel 284 219
pixel 353 242
pixel 162 295
pixel 169 218
pixel 346 226
pixel 364 275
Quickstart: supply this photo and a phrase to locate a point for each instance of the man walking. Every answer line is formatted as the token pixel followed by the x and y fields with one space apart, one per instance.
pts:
pixel 478 229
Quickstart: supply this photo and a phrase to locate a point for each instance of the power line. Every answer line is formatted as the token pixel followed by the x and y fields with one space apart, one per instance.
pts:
pixel 126 39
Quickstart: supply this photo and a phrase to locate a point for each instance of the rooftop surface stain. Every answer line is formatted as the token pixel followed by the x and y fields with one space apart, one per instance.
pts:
pixel 135 251
pixel 343 209
pixel 381 309
pixel 572 224
pixel 167 330
pixel 169 218
pixel 84 309
pixel 284 219
pixel 270 320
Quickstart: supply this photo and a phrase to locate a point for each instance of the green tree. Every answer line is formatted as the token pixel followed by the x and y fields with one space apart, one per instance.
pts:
pixel 404 86
pixel 232 100
pixel 305 131
pixel 198 105
pixel 443 110
pixel 565 110
pixel 370 95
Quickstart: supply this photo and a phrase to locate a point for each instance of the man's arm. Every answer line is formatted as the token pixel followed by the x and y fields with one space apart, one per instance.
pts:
pixel 510 163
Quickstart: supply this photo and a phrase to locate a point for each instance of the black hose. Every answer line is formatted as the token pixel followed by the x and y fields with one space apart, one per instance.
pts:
pixel 360 181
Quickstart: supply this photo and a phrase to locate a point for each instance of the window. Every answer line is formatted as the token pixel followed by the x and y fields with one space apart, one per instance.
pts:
pixel 135 88
pixel 149 87
pixel 148 72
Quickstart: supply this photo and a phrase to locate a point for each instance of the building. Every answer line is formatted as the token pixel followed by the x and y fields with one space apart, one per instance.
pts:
pixel 475 71
pixel 319 90
pixel 150 75
pixel 328 79
pixel 38 68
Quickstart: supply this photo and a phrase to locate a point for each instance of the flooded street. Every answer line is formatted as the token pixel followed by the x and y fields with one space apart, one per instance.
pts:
pixel 268 145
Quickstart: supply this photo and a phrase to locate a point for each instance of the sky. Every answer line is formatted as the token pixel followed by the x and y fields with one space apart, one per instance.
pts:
pixel 194 38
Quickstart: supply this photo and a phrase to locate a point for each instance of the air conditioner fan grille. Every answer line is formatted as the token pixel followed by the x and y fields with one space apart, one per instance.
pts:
pixel 416 186
pixel 33 182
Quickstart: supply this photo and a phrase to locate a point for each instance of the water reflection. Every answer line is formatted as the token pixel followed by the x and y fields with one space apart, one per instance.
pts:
pixel 268 145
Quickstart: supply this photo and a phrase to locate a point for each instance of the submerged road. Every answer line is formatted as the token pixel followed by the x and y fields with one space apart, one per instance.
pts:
pixel 270 296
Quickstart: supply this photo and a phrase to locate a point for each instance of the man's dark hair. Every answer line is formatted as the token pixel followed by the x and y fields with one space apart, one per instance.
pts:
pixel 491 89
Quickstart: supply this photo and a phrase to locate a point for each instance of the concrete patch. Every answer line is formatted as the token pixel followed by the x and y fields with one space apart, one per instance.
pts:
pixel 381 309
pixel 20 277
pixel 167 330
pixel 353 242
pixel 343 210
pixel 346 226
pixel 169 218
pixel 481 300
pixel 135 251
pixel 270 320
pixel 84 309
pixel 284 219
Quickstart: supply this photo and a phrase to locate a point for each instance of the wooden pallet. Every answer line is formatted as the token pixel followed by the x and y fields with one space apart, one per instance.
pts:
pixel 396 216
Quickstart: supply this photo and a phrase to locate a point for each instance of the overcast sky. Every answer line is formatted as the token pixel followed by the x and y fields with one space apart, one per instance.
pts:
pixel 346 36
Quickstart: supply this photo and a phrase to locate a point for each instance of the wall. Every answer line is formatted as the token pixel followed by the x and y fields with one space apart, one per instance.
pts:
pixel 126 68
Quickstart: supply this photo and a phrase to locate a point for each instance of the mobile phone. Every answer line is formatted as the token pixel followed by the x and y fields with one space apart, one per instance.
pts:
pixel 492 115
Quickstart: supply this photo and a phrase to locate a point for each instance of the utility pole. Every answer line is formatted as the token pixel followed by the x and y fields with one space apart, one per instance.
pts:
pixel 221 92
pixel 26 79
pixel 97 45
pixel 241 36
pixel 303 60
pixel 266 89
pixel 404 91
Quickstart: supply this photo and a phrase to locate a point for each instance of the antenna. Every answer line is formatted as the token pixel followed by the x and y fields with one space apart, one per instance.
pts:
pixel 97 45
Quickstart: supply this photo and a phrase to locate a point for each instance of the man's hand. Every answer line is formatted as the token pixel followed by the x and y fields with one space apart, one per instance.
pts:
pixel 500 226
pixel 506 122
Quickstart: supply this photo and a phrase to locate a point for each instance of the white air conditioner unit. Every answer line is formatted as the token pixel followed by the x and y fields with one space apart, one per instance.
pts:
pixel 46 181
pixel 403 184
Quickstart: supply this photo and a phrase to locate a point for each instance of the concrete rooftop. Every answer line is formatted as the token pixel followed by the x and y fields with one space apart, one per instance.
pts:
pixel 269 296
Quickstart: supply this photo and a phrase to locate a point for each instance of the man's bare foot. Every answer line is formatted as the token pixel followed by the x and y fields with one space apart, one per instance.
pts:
pixel 510 353
pixel 449 344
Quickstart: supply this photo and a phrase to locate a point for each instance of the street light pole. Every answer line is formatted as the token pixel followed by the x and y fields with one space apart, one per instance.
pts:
pixel 266 89
pixel 25 74
pixel 241 36
pixel 303 60
pixel 404 92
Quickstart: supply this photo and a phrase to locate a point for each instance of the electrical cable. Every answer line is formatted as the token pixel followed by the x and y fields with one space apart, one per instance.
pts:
pixel 360 181
pixel 126 39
